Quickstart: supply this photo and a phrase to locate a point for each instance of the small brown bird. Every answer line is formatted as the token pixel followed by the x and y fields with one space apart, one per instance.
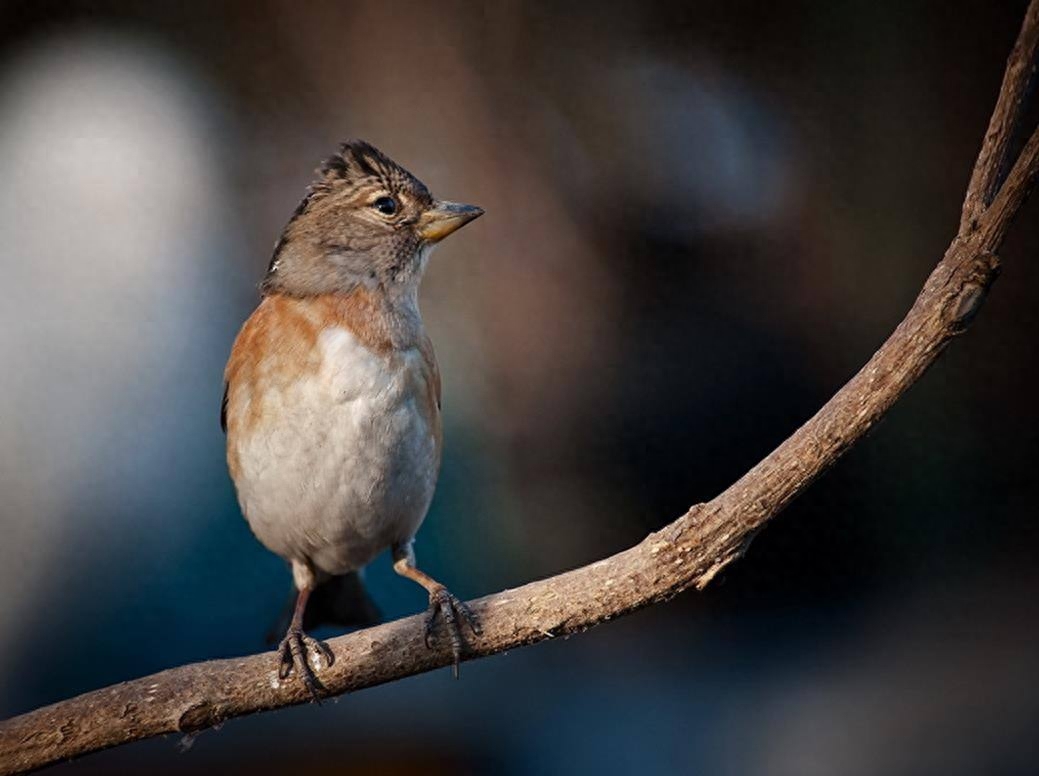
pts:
pixel 332 396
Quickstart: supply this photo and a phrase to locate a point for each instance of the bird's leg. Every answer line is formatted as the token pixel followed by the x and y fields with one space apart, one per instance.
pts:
pixel 442 604
pixel 293 650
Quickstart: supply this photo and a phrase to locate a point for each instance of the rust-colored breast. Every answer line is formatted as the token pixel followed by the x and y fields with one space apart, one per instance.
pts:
pixel 276 345
pixel 279 344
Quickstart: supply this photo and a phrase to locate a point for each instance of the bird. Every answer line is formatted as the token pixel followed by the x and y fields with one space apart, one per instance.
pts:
pixel 332 398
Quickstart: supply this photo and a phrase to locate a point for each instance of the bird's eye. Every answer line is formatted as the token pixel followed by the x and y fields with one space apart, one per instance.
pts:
pixel 385 205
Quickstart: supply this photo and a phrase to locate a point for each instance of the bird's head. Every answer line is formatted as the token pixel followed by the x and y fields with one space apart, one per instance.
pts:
pixel 364 221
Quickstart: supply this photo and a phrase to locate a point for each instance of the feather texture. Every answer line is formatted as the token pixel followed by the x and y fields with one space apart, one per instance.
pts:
pixel 333 422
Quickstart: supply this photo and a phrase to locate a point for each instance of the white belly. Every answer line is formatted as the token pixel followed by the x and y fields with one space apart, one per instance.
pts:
pixel 343 462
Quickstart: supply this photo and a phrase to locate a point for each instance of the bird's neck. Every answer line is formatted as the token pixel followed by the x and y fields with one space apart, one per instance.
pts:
pixel 383 319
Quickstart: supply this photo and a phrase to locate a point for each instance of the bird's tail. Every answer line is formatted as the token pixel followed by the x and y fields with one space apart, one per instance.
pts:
pixel 341 600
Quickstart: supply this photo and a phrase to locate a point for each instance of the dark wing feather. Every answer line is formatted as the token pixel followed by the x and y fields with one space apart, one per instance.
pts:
pixel 223 410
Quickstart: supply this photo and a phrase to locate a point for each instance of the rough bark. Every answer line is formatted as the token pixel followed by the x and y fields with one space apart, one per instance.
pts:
pixel 687 553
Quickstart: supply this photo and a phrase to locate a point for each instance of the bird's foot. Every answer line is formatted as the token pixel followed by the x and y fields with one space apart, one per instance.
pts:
pixel 304 654
pixel 443 605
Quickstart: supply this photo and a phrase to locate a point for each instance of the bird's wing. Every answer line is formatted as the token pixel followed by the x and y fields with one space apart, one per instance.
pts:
pixel 223 408
pixel 431 371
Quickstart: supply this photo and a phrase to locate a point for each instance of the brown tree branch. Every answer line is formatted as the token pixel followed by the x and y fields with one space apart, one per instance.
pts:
pixel 995 148
pixel 687 553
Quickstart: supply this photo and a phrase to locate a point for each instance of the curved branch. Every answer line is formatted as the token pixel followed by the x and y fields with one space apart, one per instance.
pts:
pixel 687 553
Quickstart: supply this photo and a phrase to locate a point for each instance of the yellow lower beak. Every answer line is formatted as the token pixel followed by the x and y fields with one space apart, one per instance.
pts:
pixel 445 217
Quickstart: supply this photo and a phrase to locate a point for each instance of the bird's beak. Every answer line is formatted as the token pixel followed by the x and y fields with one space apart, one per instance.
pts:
pixel 445 217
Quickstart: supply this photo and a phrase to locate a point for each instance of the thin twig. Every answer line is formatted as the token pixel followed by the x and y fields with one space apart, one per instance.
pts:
pixel 1012 195
pixel 687 553
pixel 993 158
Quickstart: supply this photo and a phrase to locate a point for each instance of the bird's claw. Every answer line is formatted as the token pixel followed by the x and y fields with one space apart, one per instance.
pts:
pixel 294 654
pixel 442 604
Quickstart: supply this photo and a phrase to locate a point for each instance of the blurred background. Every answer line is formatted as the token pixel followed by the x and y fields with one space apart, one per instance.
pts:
pixel 702 218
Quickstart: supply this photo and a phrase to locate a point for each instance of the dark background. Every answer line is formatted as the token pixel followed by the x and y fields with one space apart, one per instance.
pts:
pixel 702 218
